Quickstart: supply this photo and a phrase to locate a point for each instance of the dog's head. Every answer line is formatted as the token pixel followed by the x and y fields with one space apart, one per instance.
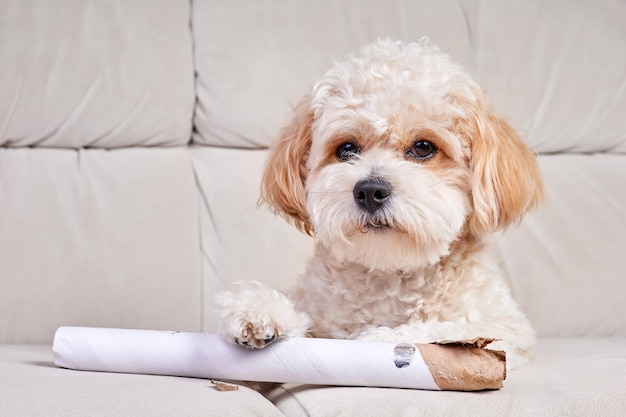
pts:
pixel 395 155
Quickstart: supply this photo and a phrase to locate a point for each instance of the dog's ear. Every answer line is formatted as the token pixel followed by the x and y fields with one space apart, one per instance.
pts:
pixel 506 181
pixel 282 185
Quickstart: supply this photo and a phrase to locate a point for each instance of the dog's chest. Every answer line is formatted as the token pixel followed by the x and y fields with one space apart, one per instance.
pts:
pixel 343 301
pixel 383 299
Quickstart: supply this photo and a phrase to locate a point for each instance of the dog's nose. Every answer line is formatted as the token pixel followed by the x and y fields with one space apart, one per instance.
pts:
pixel 372 193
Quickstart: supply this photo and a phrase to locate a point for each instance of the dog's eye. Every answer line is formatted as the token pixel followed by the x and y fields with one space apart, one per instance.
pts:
pixel 347 151
pixel 422 150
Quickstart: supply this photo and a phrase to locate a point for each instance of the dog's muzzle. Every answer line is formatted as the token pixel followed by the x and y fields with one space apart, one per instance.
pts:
pixel 372 193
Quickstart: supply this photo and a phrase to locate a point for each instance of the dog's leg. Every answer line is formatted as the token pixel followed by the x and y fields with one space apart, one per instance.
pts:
pixel 255 316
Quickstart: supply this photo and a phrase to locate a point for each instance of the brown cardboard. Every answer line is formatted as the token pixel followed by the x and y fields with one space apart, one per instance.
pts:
pixel 465 365
pixel 222 386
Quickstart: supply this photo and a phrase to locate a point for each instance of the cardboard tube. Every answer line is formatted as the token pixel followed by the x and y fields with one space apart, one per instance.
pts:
pixel 302 360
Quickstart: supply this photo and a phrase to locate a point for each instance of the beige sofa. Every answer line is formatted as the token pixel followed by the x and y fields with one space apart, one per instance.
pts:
pixel 132 137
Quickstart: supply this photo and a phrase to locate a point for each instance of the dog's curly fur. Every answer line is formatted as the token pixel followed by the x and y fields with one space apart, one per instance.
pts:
pixel 398 166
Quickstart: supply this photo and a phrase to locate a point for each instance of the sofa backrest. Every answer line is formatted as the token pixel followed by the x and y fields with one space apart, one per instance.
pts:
pixel 98 205
pixel 556 69
pixel 133 138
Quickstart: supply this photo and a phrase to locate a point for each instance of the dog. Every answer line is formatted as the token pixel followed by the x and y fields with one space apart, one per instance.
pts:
pixel 398 166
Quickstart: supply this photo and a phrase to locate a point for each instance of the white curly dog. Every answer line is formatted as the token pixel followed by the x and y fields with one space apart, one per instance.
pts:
pixel 398 166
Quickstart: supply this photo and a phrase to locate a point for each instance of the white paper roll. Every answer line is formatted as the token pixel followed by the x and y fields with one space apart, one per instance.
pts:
pixel 205 355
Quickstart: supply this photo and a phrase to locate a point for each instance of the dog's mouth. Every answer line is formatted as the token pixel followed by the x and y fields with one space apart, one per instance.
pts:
pixel 378 224
pixel 373 224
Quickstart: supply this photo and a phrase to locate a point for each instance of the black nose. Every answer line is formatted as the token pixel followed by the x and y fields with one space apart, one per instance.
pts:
pixel 372 193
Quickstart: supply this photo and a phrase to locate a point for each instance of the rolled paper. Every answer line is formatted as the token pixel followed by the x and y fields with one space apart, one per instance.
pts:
pixel 298 360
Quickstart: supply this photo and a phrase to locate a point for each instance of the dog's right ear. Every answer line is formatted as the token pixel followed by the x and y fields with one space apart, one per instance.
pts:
pixel 282 185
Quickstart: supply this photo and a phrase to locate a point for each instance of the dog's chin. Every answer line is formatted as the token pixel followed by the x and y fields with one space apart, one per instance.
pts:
pixel 384 246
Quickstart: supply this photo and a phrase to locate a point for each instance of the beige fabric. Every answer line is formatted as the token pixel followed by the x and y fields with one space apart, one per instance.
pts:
pixel 567 260
pixel 95 73
pixel 578 377
pixel 256 60
pixel 32 386
pixel 241 241
pixel 97 238
pixel 242 102
pixel 144 237
pixel 568 377
pixel 556 69
pixel 564 256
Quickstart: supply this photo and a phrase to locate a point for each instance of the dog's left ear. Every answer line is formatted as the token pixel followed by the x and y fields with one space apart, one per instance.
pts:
pixel 282 185
pixel 506 182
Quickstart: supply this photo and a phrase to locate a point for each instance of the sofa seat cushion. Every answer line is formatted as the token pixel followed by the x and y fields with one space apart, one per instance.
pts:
pixel 32 386
pixel 567 377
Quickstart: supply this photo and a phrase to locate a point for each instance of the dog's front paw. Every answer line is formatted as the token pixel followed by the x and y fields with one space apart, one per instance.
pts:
pixel 256 316
pixel 252 332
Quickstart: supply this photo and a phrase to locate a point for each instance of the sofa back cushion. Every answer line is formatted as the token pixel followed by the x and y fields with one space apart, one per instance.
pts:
pixel 95 74
pixel 554 69
pixel 112 213
pixel 98 209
